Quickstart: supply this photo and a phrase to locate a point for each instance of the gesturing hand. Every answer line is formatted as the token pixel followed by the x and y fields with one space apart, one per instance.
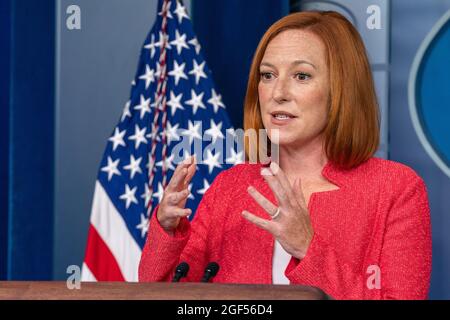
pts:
pixel 291 225
pixel 172 206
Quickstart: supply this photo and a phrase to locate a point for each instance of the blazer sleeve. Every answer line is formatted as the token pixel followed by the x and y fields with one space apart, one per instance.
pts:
pixel 163 252
pixel 404 262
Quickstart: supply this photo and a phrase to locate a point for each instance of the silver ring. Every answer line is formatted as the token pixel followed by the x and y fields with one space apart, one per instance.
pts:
pixel 276 213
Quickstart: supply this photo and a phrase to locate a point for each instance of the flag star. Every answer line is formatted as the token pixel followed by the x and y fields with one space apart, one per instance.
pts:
pixel 143 226
pixel 216 101
pixel 167 162
pixel 212 160
pixel 151 46
pixel 134 166
pixel 158 70
pixel 235 158
pixel 179 42
pixel 190 196
pixel 193 131
pixel 139 136
pixel 117 138
pixel 144 106
pixel 196 101
pixel 178 72
pixel 205 187
pixel 148 76
pixel 171 131
pixel 174 102
pixel 197 70
pixel 215 131
pixel 133 83
pixel 167 10
pixel 111 168
pixel 180 11
pixel 163 39
pixel 196 45
pixel 146 195
pixel 129 196
pixel 126 111
pixel 160 192
pixel 153 134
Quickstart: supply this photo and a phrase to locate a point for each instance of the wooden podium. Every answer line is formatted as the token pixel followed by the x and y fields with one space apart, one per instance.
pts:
pixel 34 290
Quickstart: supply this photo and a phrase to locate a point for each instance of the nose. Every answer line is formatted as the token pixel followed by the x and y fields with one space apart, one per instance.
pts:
pixel 281 92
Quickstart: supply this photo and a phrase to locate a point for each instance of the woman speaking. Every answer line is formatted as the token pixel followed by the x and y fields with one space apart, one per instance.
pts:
pixel 329 214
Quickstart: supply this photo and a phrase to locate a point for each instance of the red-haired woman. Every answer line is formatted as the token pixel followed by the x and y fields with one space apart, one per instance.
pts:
pixel 329 214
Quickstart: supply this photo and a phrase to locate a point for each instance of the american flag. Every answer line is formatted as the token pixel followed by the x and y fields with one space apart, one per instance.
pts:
pixel 174 111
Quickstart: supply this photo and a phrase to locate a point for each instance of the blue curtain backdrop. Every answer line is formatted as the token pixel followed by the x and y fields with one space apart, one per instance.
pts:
pixel 4 111
pixel 27 115
pixel 229 42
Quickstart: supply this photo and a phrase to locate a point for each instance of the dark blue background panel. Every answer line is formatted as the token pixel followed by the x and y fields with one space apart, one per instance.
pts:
pixel 30 244
pixel 5 30
pixel 229 32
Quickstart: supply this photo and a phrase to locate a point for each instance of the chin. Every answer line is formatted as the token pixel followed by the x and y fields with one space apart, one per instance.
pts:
pixel 285 138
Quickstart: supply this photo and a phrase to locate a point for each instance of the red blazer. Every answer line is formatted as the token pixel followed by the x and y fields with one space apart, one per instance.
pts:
pixel 376 224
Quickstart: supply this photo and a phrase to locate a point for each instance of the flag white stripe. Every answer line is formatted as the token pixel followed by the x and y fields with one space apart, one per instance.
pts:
pixel 112 229
pixel 86 274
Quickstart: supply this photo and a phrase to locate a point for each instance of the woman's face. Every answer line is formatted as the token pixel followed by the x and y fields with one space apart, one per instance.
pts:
pixel 294 84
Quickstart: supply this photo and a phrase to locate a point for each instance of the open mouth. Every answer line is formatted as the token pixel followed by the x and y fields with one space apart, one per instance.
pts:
pixel 282 115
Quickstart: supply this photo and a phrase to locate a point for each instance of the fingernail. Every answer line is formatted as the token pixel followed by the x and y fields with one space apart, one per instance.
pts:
pixel 187 160
pixel 266 172
pixel 274 167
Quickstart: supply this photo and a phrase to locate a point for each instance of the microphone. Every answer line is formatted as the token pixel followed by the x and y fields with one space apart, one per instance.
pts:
pixel 180 272
pixel 210 271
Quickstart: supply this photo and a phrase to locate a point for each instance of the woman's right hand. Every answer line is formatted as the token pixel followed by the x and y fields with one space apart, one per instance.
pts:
pixel 172 206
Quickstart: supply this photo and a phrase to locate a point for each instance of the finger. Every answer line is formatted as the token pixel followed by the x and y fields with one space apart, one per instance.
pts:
pixel 284 181
pixel 259 222
pixel 176 182
pixel 179 212
pixel 275 185
pixel 178 176
pixel 191 171
pixel 175 197
pixel 265 203
pixel 298 191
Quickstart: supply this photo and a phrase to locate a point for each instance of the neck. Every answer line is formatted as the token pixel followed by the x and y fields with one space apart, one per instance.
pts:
pixel 305 161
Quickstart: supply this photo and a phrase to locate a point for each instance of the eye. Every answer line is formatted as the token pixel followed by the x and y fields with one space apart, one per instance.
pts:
pixel 302 76
pixel 266 75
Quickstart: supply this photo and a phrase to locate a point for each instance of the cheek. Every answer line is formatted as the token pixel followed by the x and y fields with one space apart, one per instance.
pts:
pixel 316 100
pixel 263 95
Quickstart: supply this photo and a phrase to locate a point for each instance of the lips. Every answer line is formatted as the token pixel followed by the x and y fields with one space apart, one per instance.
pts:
pixel 281 118
pixel 280 114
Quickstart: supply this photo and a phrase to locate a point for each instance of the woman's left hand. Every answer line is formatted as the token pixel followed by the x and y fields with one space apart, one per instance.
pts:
pixel 292 226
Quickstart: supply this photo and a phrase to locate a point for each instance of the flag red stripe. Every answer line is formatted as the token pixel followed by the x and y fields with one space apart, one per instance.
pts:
pixel 100 260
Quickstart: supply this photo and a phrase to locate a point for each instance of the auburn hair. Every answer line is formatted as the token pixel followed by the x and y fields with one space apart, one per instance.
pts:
pixel 351 135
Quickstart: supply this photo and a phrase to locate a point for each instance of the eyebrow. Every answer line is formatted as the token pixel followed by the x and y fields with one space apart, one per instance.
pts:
pixel 294 63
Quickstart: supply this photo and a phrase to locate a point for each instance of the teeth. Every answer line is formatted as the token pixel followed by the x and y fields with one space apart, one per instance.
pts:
pixel 282 116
